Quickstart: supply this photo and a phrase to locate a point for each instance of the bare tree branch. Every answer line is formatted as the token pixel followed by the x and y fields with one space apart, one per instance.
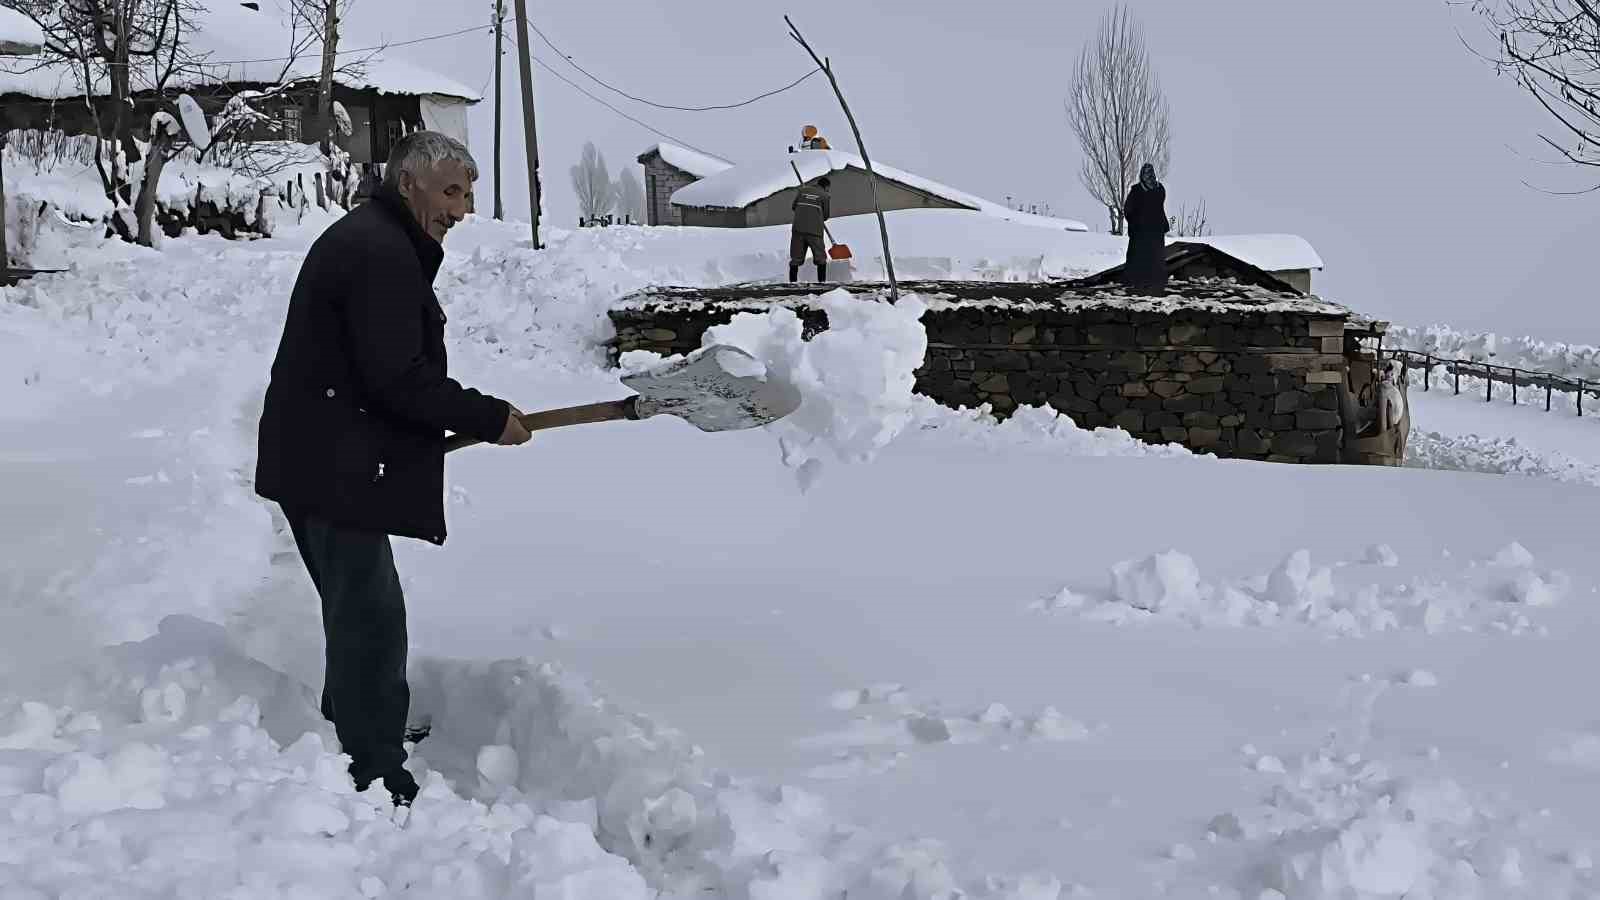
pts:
pixel 1118 111
pixel 1552 49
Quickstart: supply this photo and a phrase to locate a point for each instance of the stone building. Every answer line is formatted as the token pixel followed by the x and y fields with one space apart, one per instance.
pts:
pixel 1233 361
pixel 668 167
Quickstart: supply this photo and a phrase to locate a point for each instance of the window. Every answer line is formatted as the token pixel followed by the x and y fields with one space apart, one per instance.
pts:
pixel 290 123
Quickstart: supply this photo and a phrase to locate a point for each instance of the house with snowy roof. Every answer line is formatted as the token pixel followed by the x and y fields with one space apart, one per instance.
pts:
pixel 686 187
pixel 760 192
pixel 668 167
pixel 384 97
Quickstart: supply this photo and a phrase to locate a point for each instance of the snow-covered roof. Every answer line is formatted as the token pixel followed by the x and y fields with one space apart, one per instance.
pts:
pixel 236 43
pixel 1199 294
pixel 1268 252
pixel 18 33
pixel 700 165
pixel 752 182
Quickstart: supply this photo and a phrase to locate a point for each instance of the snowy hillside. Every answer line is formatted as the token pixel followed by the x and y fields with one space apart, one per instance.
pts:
pixel 1021 661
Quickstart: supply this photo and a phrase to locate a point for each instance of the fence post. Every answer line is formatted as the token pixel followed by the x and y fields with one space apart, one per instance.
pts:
pixel 1547 391
pixel 1488 383
pixel 1458 378
pixel 1580 396
pixel 1513 386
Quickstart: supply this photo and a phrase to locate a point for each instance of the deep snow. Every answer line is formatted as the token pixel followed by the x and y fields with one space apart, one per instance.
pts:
pixel 1026 660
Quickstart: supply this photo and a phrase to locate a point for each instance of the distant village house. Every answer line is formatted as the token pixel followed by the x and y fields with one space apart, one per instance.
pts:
pixel 385 98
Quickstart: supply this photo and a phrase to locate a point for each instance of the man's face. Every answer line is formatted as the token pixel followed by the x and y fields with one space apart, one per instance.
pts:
pixel 439 196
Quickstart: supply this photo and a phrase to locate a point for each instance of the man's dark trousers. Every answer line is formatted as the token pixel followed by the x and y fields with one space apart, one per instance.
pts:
pixel 364 691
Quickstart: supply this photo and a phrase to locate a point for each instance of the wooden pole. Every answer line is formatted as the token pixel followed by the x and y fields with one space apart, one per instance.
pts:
pixel 5 261
pixel 530 133
pixel 499 52
pixel 872 178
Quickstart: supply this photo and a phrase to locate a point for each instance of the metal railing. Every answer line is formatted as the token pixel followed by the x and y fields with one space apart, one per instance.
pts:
pixel 1493 374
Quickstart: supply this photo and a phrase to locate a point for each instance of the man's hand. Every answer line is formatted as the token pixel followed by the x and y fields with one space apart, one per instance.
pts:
pixel 514 433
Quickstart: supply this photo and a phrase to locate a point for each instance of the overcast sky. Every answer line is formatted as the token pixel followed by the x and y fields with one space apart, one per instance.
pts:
pixel 1362 125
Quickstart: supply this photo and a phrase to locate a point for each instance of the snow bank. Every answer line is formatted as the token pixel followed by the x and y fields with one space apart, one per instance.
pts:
pixel 646 794
pixel 1168 587
pixel 1495 455
pixel 1039 427
pixel 181 767
pixel 1342 827
pixel 1571 360
pixel 71 186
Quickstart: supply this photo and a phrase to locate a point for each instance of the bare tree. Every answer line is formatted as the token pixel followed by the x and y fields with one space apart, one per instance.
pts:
pixel 592 183
pixel 1190 222
pixel 321 19
pixel 1118 111
pixel 115 47
pixel 630 195
pixel 1552 49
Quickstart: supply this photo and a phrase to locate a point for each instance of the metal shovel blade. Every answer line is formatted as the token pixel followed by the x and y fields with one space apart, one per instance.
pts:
pixel 707 390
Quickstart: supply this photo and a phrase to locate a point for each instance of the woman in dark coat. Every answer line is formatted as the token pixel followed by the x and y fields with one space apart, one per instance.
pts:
pixel 1146 215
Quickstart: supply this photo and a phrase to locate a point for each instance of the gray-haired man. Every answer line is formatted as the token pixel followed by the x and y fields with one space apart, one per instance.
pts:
pixel 352 434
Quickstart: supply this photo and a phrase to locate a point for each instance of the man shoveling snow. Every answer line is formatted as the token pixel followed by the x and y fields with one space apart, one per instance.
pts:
pixel 353 429
pixel 352 434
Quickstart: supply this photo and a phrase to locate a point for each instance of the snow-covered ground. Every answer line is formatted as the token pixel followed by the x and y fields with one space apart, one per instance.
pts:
pixel 1023 661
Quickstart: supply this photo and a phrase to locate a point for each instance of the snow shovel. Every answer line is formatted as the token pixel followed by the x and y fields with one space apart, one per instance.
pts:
pixel 837 250
pixel 704 389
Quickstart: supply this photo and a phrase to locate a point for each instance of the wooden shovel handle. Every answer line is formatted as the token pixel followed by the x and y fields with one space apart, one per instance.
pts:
pixel 610 411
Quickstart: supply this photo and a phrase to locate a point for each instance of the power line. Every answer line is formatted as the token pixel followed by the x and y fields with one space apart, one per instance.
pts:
pixel 579 88
pixel 616 90
pixel 420 40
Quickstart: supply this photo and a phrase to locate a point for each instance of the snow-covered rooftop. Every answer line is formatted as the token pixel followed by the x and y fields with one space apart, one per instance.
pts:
pixel 700 165
pixel 237 44
pixel 752 182
pixel 1197 294
pixel 1268 252
pixel 18 33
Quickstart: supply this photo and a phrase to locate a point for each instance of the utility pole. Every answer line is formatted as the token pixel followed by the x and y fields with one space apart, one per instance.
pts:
pixel 530 134
pixel 499 51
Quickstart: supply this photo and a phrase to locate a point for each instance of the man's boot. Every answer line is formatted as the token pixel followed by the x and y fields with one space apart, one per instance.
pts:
pixel 794 272
pixel 822 272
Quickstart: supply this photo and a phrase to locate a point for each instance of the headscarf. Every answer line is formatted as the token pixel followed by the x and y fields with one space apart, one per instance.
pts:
pixel 1147 177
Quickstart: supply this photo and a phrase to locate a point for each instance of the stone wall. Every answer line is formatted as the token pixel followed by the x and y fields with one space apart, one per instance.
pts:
pixel 1234 382
pixel 661 181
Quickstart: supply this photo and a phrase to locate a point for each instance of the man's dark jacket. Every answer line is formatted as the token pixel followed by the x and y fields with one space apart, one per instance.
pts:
pixel 811 208
pixel 356 412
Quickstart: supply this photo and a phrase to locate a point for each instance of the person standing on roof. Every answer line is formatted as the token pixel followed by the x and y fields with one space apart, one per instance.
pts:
pixel 811 139
pixel 811 208
pixel 1146 214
